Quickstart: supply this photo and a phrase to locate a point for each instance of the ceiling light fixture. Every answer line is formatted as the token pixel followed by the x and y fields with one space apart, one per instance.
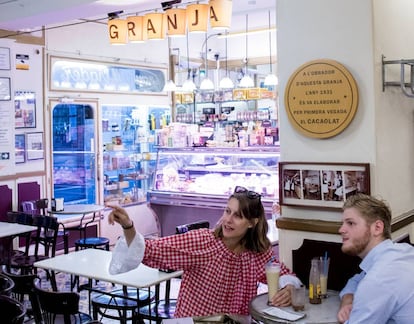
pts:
pixel 271 79
pixel 226 82
pixel 188 85
pixel 246 81
pixel 206 84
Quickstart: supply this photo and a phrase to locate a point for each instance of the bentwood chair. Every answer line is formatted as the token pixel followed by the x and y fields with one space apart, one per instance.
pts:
pixel 43 244
pixel 39 207
pixel 6 284
pixel 23 291
pixel 58 306
pixel 12 311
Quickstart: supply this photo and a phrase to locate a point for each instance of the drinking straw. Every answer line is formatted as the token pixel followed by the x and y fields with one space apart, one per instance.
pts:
pixel 325 263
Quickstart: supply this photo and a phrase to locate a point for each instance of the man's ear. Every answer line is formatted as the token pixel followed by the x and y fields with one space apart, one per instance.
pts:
pixel 378 228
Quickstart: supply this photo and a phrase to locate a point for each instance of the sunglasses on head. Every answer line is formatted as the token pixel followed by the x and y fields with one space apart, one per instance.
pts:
pixel 249 193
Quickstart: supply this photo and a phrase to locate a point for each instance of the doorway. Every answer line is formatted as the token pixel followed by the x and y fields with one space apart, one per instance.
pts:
pixel 74 147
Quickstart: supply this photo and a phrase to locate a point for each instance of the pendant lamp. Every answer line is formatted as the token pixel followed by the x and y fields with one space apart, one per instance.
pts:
pixel 271 79
pixel 188 85
pixel 226 82
pixel 206 84
pixel 246 81
pixel 170 86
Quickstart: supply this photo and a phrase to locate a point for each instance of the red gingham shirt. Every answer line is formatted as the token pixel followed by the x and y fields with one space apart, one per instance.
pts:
pixel 215 279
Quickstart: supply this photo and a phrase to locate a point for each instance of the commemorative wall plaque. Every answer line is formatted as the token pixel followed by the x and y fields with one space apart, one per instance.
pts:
pixel 321 98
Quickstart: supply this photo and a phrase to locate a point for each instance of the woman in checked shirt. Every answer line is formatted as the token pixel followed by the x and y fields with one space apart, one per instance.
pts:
pixel 221 267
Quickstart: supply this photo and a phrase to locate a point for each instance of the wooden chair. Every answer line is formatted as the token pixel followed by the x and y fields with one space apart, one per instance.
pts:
pixel 115 306
pixel 12 311
pixel 39 207
pixel 6 285
pixel 23 291
pixel 58 305
pixel 45 238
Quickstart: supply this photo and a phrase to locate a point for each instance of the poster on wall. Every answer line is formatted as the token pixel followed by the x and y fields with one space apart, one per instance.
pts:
pixel 4 58
pixel 35 149
pixel 20 148
pixel 6 145
pixel 25 109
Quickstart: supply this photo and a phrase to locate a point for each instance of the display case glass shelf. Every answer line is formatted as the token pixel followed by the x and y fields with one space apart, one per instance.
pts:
pixel 128 151
pixel 216 171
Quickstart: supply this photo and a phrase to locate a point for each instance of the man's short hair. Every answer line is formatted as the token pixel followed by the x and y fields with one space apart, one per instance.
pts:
pixel 371 209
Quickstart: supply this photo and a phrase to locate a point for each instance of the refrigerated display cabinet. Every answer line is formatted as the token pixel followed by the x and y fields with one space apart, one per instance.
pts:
pixel 194 183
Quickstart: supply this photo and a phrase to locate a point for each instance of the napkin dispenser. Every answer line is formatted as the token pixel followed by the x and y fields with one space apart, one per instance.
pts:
pixel 57 204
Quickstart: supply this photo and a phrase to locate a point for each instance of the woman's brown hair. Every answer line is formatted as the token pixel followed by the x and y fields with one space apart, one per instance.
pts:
pixel 252 209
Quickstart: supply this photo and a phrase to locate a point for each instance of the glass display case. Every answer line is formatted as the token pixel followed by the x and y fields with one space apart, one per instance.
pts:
pixel 128 151
pixel 194 183
pixel 216 171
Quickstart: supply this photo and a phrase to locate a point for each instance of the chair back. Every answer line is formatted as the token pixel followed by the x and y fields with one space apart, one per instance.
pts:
pixel 24 289
pixel 46 234
pixel 6 285
pixel 12 311
pixel 24 219
pixel 57 305
pixel 180 229
pixel 41 205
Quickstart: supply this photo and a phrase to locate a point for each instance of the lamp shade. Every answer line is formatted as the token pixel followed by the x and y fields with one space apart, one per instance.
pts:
pixel 271 80
pixel 197 17
pixel 117 31
pixel 226 83
pixel 220 14
pixel 188 86
pixel 176 22
pixel 246 82
pixel 207 84
pixel 169 86
pixel 154 25
pixel 135 26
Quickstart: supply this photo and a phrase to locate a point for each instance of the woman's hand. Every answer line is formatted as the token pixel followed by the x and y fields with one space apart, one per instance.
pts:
pixel 119 215
pixel 283 297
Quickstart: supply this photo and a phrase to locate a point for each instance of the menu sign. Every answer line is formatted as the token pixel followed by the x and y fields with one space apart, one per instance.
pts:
pixel 321 98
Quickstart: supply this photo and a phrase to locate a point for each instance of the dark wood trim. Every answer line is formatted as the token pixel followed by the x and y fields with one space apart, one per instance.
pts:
pixel 331 227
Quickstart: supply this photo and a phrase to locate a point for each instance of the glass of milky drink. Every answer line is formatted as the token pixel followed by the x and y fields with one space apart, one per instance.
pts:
pixel 272 277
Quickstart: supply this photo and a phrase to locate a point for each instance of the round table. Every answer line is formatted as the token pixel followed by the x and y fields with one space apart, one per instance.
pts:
pixel 321 313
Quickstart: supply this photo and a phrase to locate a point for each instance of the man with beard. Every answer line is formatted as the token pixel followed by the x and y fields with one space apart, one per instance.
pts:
pixel 384 290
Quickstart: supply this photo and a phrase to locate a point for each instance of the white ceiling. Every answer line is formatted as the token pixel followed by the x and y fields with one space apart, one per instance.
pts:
pixel 25 15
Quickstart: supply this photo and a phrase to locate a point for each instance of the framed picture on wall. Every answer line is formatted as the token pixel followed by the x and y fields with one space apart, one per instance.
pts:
pixel 325 185
pixel 34 146
pixel 20 148
pixel 25 109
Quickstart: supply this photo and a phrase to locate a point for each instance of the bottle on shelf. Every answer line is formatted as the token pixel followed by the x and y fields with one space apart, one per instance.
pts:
pixel 314 283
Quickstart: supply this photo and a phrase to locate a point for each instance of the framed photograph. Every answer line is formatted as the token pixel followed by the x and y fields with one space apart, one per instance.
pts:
pixel 20 148
pixel 5 94
pixel 24 109
pixel 34 146
pixel 325 185
pixel 4 58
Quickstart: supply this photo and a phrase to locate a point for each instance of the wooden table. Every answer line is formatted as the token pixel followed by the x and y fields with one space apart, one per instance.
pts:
pixel 324 313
